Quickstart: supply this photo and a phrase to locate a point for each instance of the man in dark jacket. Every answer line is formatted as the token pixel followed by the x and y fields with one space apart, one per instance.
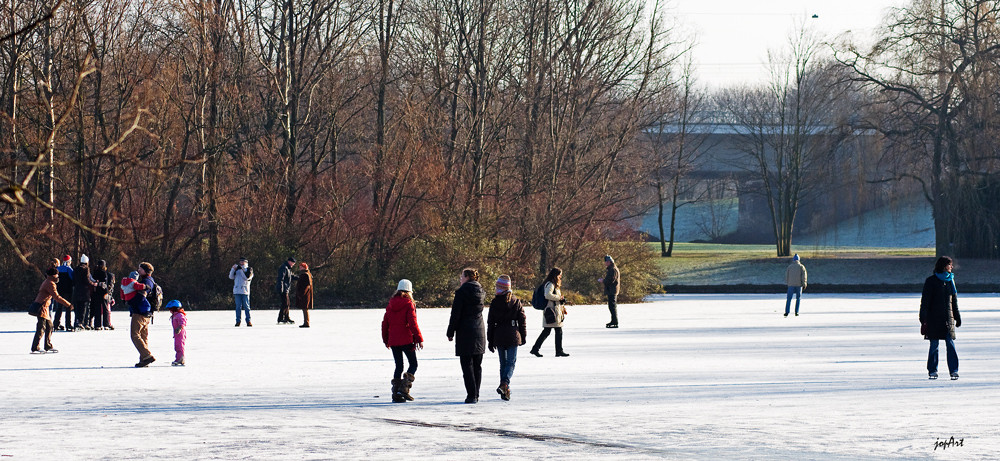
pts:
pixel 611 289
pixel 282 286
pixel 65 288
pixel 83 287
pixel 100 300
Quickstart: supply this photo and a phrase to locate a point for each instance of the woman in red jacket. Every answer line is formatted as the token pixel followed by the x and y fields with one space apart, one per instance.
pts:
pixel 401 334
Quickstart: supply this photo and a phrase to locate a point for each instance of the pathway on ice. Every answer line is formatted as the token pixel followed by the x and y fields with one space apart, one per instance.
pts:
pixel 686 377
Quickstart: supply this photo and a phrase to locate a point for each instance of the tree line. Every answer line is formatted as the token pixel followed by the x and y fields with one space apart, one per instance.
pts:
pixel 376 139
pixel 382 139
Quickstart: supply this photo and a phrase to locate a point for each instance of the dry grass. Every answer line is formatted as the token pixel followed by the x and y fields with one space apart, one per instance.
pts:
pixel 707 264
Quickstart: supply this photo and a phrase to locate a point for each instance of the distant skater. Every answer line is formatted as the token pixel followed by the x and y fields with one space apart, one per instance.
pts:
pixel 401 334
pixel 282 287
pixel 83 289
pixel 611 288
pixel 304 293
pixel 242 274
pixel 65 288
pixel 795 278
pixel 178 320
pixel 47 294
pixel 554 313
pixel 939 315
pixel 505 331
pixel 466 328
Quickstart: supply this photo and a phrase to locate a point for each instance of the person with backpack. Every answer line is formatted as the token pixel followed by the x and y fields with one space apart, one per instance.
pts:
pixel 83 288
pixel 554 313
pixel 135 293
pixel 611 289
pixel 65 288
pixel 505 331
pixel 281 288
pixel 102 297
pixel 401 334
pixel 242 274
pixel 40 308
pixel 466 328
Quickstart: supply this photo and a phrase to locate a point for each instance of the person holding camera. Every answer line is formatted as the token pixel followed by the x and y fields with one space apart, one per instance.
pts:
pixel 554 313
pixel 242 274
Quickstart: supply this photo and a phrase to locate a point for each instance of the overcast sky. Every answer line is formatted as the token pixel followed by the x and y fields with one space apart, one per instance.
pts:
pixel 733 36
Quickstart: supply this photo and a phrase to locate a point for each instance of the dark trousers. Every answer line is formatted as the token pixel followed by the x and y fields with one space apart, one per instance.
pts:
pixel 100 310
pixel 410 351
pixel 545 334
pixel 82 308
pixel 613 307
pixel 283 307
pixel 43 327
pixel 58 312
pixel 472 373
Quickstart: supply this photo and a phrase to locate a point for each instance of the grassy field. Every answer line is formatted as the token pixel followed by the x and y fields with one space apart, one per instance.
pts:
pixel 711 264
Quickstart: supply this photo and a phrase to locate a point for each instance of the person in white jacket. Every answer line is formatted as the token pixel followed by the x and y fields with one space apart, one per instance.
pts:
pixel 241 274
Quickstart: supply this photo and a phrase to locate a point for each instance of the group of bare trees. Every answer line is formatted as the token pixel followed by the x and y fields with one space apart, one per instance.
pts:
pixel 374 138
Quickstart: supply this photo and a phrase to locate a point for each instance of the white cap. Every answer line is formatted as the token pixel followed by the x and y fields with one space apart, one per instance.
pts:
pixel 404 285
pixel 84 259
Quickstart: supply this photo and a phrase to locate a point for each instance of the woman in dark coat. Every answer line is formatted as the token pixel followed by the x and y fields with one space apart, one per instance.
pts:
pixel 466 328
pixel 304 293
pixel 939 315
pixel 505 331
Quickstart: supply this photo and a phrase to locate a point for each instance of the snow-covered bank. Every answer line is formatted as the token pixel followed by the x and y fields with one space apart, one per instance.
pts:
pixel 686 377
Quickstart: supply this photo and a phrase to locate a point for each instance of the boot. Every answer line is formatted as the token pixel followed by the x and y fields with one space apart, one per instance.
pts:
pixel 397 395
pixel 404 387
pixel 504 391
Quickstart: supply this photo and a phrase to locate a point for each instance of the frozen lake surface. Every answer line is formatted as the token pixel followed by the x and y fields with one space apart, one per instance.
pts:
pixel 686 377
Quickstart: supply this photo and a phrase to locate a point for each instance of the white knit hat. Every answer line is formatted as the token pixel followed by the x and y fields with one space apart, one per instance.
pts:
pixel 84 259
pixel 404 285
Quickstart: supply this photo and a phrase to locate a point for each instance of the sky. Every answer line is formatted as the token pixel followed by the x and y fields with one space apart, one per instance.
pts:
pixel 734 36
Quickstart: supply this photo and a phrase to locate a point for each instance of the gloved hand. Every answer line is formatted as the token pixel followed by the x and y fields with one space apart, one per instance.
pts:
pixel 492 348
pixel 958 323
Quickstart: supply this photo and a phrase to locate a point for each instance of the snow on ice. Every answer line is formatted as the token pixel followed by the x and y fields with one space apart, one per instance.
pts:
pixel 685 377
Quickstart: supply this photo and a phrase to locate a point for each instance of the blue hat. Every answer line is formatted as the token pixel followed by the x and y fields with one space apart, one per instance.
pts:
pixel 173 304
pixel 796 257
pixel 133 275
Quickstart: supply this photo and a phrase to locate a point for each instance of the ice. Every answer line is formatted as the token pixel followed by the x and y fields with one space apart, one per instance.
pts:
pixel 685 377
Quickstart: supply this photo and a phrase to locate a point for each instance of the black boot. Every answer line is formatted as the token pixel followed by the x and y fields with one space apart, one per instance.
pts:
pixel 397 395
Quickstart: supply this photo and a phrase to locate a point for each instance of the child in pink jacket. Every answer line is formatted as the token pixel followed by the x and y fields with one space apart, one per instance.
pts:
pixel 178 320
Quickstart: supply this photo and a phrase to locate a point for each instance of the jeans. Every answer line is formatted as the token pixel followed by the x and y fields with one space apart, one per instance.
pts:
pixel 797 292
pixel 932 356
pixel 410 351
pixel 545 334
pixel 508 357
pixel 472 373
pixel 242 302
pixel 613 307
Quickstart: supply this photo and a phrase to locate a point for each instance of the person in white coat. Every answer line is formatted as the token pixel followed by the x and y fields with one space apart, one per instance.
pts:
pixel 554 313
pixel 242 274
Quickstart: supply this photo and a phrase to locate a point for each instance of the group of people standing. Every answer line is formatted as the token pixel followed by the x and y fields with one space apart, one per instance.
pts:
pixel 503 331
pixel 242 274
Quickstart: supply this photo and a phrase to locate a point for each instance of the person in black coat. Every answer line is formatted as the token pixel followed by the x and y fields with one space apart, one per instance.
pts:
pixel 939 315
pixel 466 328
pixel 505 330
pixel 100 299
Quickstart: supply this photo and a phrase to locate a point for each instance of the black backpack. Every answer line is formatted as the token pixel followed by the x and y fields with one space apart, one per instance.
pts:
pixel 538 300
